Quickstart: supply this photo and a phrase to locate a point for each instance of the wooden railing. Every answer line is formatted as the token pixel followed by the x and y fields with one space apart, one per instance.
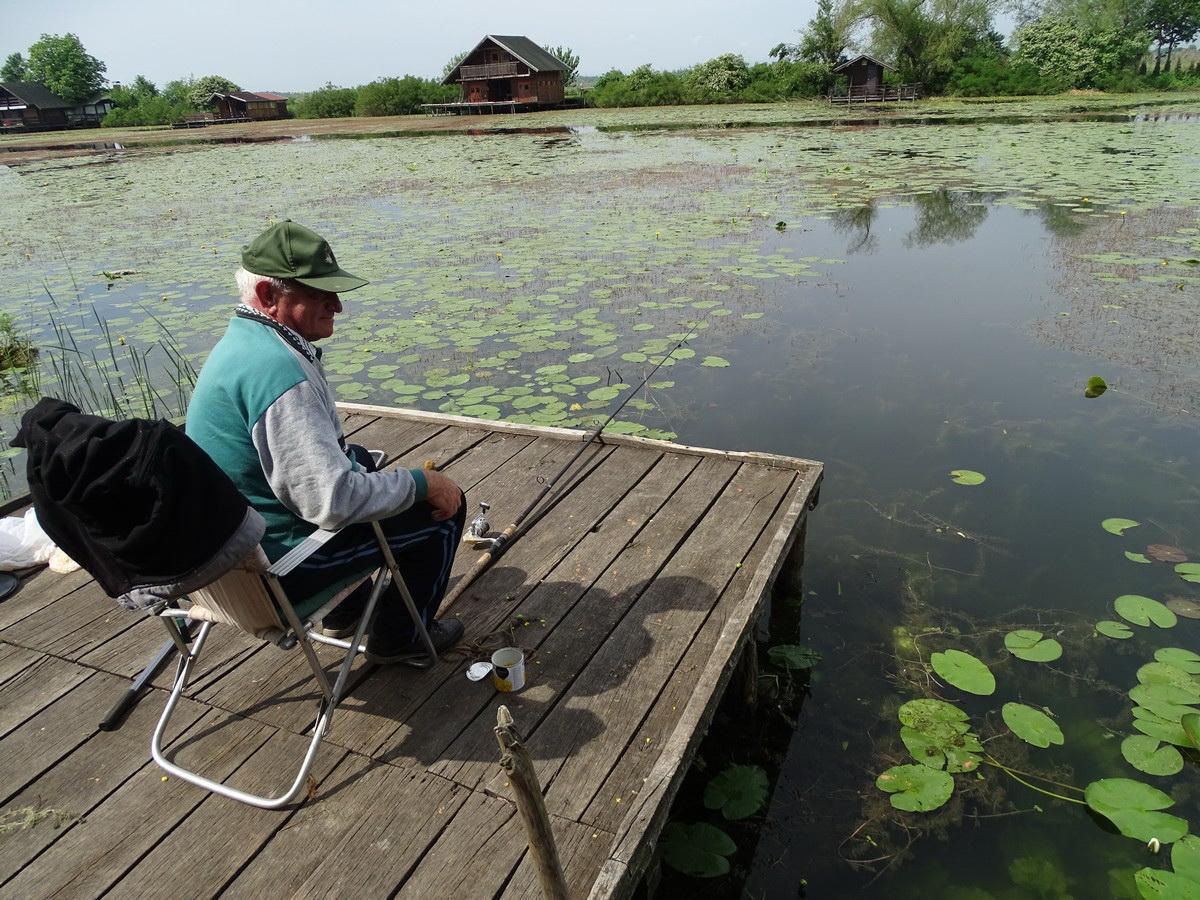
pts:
pixel 490 70
pixel 864 93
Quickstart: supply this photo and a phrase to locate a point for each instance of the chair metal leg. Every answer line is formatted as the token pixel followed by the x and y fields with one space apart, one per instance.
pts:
pixel 386 549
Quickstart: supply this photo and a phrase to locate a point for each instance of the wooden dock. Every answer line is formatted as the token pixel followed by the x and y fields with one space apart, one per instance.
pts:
pixel 632 597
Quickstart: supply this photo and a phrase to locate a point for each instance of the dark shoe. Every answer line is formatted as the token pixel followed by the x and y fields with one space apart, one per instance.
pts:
pixel 342 620
pixel 444 633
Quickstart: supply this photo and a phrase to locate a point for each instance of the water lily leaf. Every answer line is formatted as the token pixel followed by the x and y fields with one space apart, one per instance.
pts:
pixel 916 788
pixel 1142 611
pixel 1189 571
pixel 964 671
pixel 1095 387
pixel 1118 526
pixel 1190 722
pixel 793 656
pixel 715 362
pixel 1157 694
pixel 1030 646
pixel 1185 857
pixel 1179 658
pixel 967 476
pixel 925 748
pixel 699 850
pixel 1183 606
pixel 738 792
pixel 1148 754
pixel 1136 557
pixel 1031 725
pixel 1166 553
pixel 924 713
pixel 1162 673
pixel 1161 884
pixel 1133 808
pixel 1118 630
pixel 604 393
pixel 1155 726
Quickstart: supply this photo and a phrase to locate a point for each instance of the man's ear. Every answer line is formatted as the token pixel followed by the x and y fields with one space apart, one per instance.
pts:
pixel 264 291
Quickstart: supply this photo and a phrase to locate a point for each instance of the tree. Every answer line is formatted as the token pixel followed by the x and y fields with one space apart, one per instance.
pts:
pixel 179 91
pixel 570 59
pixel 1063 48
pixel 926 37
pixel 329 102
pixel 825 38
pixel 143 88
pixel 1172 22
pixel 719 78
pixel 61 63
pixel 203 88
pixel 400 96
pixel 14 68
pixel 453 62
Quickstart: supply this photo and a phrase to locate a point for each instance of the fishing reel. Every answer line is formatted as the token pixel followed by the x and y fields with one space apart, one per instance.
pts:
pixel 476 533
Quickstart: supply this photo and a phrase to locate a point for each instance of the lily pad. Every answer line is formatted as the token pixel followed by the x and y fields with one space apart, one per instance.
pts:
pixel 1118 526
pixel 1161 673
pixel 1148 754
pixel 1189 572
pixel 738 792
pixel 1031 646
pixel 1031 725
pixel 1117 630
pixel 916 788
pixel 699 850
pixel 715 362
pixel 1095 387
pixel 1184 606
pixel 924 713
pixel 1161 884
pixel 964 671
pixel 1185 857
pixel 967 476
pixel 1190 723
pixel 1136 557
pixel 1143 611
pixel 1133 807
pixel 1179 658
pixel 793 656
pixel 1166 553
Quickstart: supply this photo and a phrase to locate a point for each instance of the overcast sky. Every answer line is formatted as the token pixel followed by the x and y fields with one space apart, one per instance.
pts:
pixel 301 44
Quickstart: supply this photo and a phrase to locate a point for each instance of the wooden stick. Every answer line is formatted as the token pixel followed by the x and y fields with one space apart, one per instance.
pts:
pixel 517 765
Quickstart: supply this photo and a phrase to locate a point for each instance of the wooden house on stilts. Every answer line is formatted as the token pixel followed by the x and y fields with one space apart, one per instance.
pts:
pixel 865 83
pixel 505 73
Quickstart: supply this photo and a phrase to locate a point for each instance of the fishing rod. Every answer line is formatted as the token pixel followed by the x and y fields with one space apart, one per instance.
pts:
pixel 500 543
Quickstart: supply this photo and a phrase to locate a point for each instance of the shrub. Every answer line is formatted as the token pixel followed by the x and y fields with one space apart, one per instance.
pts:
pixel 329 102
pixel 400 96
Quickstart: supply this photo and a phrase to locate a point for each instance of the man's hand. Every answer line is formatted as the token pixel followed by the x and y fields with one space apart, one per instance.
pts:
pixel 444 495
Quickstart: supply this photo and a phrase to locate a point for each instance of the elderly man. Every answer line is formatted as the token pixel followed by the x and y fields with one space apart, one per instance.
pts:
pixel 264 412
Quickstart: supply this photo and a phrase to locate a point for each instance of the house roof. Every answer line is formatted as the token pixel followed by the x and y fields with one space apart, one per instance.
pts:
pixel 268 95
pixel 538 59
pixel 247 96
pixel 848 63
pixel 35 95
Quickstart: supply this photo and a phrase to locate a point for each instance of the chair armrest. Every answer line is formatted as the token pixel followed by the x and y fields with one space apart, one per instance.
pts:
pixel 300 552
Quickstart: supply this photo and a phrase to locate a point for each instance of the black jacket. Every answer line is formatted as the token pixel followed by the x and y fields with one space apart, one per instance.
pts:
pixel 136 503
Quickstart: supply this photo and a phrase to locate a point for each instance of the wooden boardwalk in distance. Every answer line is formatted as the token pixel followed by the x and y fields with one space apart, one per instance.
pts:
pixel 632 597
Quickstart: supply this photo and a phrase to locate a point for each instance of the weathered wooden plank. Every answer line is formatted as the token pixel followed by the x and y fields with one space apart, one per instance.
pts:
pixel 230 833
pixel 644 821
pixel 395 436
pixel 55 730
pixel 35 686
pixel 354 422
pixel 442 448
pixel 582 850
pixel 13 659
pixel 619 684
pixel 608 808
pixel 73 625
pixel 598 585
pixel 383 700
pixel 474 856
pixel 38 591
pixel 98 851
pixel 79 782
pixel 367 828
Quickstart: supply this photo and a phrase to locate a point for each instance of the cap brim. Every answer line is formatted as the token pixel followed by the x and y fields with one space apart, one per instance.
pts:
pixel 339 282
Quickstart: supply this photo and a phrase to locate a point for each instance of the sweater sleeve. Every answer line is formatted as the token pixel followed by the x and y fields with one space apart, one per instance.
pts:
pixel 311 475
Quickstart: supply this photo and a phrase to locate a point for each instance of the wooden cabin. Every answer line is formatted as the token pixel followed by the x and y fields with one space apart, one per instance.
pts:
pixel 28 105
pixel 506 73
pixel 249 105
pixel 91 111
pixel 865 82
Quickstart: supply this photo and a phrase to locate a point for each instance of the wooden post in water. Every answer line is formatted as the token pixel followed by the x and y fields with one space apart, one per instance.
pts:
pixel 517 765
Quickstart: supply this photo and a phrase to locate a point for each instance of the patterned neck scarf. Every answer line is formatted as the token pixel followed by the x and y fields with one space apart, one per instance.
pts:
pixel 303 347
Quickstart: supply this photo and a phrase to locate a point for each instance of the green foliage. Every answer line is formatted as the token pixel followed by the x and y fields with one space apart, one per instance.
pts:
pixel 1118 526
pixel 13 68
pixel 1189 572
pixel 1069 51
pixel 152 111
pixel 718 80
pixel 1095 387
pixel 203 88
pixel 964 671
pixel 713 82
pixel 1148 754
pixel 825 38
pixel 1134 808
pixel 16 350
pixel 328 102
pixel 967 476
pixel 570 59
pixel 793 656
pixel 938 735
pixel 699 850
pixel 738 792
pixel 1117 630
pixel 400 96
pixel 924 38
pixel 1031 646
pixel 989 75
pixel 61 63
pixel 1031 725
pixel 1143 611
pixel 916 788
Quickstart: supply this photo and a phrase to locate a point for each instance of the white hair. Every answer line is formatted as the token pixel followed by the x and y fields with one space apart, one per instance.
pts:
pixel 247 282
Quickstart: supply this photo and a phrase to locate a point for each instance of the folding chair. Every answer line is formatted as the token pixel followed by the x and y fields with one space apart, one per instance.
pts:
pixel 251 598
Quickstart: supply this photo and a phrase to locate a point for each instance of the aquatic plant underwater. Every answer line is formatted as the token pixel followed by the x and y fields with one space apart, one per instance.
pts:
pixel 922 307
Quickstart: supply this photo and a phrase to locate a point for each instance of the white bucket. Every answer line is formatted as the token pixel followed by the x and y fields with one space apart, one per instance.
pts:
pixel 507 668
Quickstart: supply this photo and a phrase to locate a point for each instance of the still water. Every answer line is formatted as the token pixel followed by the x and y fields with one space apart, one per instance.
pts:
pixel 898 303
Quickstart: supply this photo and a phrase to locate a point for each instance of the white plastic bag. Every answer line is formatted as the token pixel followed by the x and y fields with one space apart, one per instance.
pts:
pixel 23 543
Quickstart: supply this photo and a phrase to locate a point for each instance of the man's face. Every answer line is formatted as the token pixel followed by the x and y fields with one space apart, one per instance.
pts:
pixel 306 310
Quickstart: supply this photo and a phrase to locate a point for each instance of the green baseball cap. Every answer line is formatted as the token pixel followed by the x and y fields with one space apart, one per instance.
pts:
pixel 288 250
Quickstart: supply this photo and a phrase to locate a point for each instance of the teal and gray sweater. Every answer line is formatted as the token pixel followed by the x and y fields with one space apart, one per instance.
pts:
pixel 264 412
